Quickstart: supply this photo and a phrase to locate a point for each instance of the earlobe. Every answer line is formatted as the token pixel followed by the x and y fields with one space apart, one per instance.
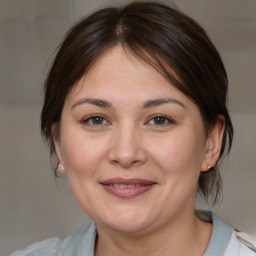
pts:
pixel 213 144
pixel 61 168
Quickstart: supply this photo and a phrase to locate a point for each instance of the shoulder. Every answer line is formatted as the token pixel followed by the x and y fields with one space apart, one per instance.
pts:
pixel 241 244
pixel 46 247
pixel 248 243
pixel 81 241
pixel 227 241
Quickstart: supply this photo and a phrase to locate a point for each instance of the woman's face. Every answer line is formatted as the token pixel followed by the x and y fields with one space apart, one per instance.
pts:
pixel 132 145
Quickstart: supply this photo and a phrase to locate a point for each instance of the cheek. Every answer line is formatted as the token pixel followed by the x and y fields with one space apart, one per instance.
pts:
pixel 179 153
pixel 178 158
pixel 82 154
pixel 82 157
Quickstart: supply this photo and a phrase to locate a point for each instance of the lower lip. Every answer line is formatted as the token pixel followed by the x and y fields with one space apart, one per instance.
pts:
pixel 127 192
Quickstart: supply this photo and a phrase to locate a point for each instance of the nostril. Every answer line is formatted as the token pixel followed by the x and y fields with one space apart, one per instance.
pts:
pixel 114 162
pixel 126 163
pixel 126 152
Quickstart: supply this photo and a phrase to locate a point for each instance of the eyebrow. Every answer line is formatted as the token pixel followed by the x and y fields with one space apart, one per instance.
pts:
pixel 146 104
pixel 96 102
pixel 161 101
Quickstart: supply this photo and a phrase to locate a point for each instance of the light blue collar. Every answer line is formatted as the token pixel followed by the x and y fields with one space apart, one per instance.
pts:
pixel 82 242
pixel 220 237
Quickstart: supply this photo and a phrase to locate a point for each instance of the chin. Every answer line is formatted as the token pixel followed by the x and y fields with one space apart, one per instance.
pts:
pixel 130 227
pixel 126 222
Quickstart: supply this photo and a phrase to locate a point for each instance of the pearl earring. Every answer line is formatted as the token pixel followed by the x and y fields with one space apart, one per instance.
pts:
pixel 60 167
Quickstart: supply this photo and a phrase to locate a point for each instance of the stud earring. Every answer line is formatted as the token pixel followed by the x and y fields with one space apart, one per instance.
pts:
pixel 60 167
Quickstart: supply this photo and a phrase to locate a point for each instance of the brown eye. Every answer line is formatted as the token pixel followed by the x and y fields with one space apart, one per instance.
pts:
pixel 95 120
pixel 160 120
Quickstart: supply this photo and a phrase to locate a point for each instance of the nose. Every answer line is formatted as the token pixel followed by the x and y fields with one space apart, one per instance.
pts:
pixel 127 148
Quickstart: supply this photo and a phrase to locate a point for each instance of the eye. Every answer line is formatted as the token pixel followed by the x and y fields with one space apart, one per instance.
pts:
pixel 160 120
pixel 95 120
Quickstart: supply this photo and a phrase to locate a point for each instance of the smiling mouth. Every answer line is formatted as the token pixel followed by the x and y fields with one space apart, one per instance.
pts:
pixel 127 188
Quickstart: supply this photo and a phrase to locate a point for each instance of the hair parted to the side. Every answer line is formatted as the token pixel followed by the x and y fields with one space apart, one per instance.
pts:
pixel 168 40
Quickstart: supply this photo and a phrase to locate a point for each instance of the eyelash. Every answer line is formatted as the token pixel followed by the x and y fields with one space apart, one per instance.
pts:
pixel 93 117
pixel 103 121
pixel 167 120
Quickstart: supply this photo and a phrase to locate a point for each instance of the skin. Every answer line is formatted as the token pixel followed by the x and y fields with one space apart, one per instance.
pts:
pixel 125 140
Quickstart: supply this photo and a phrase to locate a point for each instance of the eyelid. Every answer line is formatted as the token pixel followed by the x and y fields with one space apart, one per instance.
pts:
pixel 169 119
pixel 87 118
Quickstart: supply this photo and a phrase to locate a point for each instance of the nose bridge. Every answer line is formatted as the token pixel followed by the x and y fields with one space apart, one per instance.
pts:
pixel 127 148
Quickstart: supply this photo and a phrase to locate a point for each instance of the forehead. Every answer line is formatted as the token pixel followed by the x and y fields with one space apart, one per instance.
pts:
pixel 118 74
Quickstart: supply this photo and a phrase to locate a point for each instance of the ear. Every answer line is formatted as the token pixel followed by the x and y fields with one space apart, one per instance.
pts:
pixel 56 140
pixel 213 144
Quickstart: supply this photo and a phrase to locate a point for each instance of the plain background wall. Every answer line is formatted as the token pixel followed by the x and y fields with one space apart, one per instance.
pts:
pixel 32 205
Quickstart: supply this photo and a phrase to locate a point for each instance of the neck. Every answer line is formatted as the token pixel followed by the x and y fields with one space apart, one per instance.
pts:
pixel 179 238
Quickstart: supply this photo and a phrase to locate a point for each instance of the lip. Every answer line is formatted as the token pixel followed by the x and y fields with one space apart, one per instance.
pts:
pixel 140 186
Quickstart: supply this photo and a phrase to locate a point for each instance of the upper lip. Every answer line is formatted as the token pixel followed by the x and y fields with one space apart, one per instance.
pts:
pixel 134 181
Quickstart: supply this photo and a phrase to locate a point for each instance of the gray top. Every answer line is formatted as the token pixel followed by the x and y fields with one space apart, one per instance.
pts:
pixel 82 242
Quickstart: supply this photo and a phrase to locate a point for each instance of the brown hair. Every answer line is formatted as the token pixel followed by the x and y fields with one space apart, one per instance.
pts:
pixel 160 35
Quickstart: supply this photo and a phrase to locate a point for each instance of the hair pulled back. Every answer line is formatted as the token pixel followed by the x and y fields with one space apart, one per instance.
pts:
pixel 162 36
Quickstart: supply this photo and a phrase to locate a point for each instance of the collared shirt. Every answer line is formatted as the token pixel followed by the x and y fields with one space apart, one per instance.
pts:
pixel 224 241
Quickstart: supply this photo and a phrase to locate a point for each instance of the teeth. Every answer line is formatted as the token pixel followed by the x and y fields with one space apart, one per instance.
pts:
pixel 126 185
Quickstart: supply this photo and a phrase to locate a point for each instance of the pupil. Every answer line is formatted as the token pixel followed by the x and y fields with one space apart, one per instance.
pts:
pixel 159 120
pixel 97 120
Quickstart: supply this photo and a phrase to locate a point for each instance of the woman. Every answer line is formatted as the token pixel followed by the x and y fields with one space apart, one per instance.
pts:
pixel 135 111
